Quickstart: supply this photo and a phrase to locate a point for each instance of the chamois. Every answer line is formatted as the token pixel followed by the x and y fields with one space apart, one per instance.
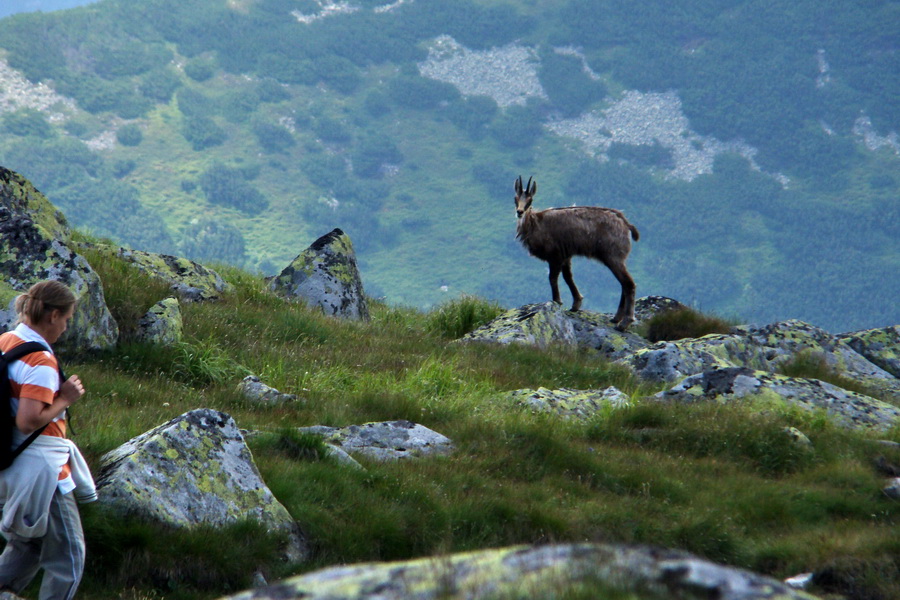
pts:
pixel 556 235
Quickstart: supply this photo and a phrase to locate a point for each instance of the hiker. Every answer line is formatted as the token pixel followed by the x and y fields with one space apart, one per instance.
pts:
pixel 40 518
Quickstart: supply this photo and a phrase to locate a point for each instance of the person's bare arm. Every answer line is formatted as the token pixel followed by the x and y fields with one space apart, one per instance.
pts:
pixel 34 414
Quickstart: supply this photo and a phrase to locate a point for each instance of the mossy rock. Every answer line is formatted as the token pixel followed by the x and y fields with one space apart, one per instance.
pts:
pixel 881 346
pixel 162 324
pixel 590 570
pixel 35 246
pixel 767 390
pixel 326 275
pixel 193 470
pixel 385 441
pixel 539 325
pixel 764 348
pixel 192 281
pixel 568 402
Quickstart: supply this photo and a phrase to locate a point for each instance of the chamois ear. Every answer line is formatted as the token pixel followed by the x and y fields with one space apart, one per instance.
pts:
pixel 533 189
pixel 518 186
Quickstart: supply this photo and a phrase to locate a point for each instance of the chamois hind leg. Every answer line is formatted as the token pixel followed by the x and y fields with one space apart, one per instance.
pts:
pixel 554 281
pixel 625 314
pixel 570 281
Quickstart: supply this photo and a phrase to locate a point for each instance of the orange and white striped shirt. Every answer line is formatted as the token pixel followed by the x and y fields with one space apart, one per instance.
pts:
pixel 35 376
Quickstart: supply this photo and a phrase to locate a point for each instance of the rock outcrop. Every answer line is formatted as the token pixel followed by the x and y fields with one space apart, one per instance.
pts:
pixel 732 384
pixel 193 470
pixel 743 364
pixel 391 440
pixel 258 392
pixel 162 324
pixel 35 245
pixel 549 324
pixel 880 346
pixel 567 402
pixel 534 572
pixel 190 280
pixel 326 275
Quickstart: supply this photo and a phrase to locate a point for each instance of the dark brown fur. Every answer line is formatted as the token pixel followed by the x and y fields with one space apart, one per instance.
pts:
pixel 556 235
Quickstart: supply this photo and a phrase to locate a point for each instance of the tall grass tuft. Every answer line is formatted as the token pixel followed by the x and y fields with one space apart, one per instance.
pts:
pixel 813 365
pixel 681 323
pixel 204 363
pixel 456 318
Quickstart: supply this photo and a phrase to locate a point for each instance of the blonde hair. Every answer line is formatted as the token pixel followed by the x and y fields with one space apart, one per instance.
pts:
pixel 43 298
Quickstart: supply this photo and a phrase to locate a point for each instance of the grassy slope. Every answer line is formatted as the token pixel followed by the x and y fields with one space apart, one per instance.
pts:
pixel 723 482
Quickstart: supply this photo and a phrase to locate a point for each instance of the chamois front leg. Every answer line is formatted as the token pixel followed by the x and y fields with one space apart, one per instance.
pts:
pixel 570 281
pixel 554 281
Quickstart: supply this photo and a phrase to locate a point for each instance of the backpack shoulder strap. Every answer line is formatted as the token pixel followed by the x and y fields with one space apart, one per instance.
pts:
pixel 15 354
pixel 23 349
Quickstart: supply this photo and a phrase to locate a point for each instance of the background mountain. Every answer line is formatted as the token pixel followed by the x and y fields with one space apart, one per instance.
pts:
pixel 11 7
pixel 753 143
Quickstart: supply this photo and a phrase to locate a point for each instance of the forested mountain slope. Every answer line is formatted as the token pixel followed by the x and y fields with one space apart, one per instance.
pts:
pixel 754 144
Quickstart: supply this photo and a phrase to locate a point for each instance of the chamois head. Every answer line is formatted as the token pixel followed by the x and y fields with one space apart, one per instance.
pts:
pixel 524 196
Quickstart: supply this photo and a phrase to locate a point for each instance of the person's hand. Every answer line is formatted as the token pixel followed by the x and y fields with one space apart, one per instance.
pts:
pixel 71 390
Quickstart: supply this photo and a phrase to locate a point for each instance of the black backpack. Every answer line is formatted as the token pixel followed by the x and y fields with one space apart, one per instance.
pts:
pixel 7 420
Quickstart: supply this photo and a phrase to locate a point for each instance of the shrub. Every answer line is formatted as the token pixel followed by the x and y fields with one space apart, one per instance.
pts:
pixel 123 167
pixel 270 90
pixel 130 135
pixel 420 93
pixel 160 84
pixel 200 68
pixel 228 186
pixel 372 152
pixel 571 90
pixel 681 323
pixel 192 103
pixel 458 317
pixel 25 122
pixel 213 240
pixel 202 132
pixel 271 137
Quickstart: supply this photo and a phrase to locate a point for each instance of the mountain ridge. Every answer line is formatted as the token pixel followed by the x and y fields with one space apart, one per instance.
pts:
pixel 347 126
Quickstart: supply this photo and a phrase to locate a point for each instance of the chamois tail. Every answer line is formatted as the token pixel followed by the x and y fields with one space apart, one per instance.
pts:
pixel 635 234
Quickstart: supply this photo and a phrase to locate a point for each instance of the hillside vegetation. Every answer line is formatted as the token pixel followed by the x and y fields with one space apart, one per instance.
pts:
pixel 753 143
pixel 724 482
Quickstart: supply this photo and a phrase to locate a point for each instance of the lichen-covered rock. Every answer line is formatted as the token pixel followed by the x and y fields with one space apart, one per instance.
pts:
pixel 760 348
pixel 193 470
pixel 326 275
pixel 162 324
pixel 258 392
pixel 534 572
pixel 892 489
pixel 846 408
pixel 595 331
pixel 880 346
pixel 671 361
pixel 34 246
pixel 539 325
pixel 547 324
pixel 390 440
pixel 649 306
pixel 569 402
pixel 190 280
pixel 800 438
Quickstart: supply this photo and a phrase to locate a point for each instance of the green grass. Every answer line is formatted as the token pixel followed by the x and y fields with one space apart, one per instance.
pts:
pixel 724 482
pixel 813 365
